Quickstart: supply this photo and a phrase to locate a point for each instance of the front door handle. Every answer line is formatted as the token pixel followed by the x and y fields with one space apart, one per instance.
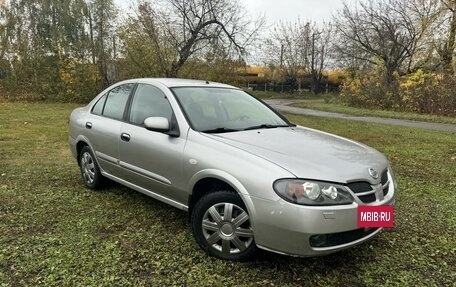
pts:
pixel 125 137
pixel 88 125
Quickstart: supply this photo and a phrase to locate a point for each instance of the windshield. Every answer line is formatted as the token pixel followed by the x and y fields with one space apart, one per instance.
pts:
pixel 219 110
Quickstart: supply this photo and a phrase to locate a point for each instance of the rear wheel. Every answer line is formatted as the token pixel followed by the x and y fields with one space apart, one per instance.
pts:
pixel 222 226
pixel 89 169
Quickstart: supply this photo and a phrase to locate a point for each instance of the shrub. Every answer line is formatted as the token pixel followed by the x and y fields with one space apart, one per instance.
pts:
pixel 418 92
pixel 370 90
pixel 429 93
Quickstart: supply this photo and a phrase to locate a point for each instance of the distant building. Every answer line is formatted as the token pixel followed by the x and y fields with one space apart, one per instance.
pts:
pixel 254 74
pixel 265 78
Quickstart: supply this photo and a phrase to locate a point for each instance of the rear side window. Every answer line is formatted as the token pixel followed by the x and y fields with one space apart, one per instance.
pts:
pixel 116 101
pixel 98 107
pixel 149 101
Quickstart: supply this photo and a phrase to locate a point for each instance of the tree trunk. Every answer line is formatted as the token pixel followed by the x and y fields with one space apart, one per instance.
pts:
pixel 92 43
pixel 447 56
pixel 184 54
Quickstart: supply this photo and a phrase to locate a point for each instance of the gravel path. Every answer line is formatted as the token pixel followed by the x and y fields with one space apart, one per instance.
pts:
pixel 284 106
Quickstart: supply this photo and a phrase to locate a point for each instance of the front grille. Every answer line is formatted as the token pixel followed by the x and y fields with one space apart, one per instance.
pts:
pixel 334 239
pixel 358 187
pixel 368 198
pixel 363 187
pixel 364 190
pixel 385 191
pixel 384 179
pixel 385 182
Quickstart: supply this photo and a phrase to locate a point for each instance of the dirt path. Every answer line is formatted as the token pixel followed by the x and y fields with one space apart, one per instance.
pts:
pixel 284 106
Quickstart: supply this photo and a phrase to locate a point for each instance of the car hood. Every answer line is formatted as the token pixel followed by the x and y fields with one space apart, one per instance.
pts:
pixel 309 154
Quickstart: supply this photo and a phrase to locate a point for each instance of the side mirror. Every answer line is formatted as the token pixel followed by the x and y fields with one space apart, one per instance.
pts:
pixel 157 124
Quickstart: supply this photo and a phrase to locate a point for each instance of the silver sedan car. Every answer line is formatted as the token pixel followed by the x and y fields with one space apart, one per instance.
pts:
pixel 247 176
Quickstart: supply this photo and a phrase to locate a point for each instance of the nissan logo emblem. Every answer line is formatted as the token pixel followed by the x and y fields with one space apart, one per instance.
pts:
pixel 373 173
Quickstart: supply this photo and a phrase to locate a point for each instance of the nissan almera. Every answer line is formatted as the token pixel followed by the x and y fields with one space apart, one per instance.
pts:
pixel 247 176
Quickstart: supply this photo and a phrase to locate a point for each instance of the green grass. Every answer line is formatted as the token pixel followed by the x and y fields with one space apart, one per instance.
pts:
pixel 55 232
pixel 319 104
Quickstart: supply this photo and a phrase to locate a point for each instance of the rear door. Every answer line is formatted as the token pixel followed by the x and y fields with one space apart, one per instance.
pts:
pixel 152 160
pixel 103 127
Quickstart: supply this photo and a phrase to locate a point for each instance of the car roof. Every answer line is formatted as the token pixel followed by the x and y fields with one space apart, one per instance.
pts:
pixel 174 82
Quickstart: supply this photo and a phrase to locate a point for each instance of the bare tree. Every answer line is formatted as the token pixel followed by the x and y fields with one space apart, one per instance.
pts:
pixel 379 31
pixel 180 29
pixel 286 50
pixel 448 44
pixel 319 40
pixel 99 16
pixel 299 49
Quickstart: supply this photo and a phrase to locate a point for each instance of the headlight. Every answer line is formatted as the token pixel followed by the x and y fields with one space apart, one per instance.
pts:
pixel 308 192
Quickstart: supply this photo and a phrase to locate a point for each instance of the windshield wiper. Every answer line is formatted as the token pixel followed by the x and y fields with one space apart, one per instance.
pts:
pixel 265 126
pixel 219 130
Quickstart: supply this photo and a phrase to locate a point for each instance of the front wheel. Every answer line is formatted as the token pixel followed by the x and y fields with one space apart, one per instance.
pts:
pixel 222 226
pixel 89 169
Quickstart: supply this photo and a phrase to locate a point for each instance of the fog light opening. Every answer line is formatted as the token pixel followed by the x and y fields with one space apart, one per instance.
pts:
pixel 318 240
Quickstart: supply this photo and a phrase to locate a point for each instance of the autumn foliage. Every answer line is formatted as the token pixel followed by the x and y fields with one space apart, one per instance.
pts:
pixel 421 92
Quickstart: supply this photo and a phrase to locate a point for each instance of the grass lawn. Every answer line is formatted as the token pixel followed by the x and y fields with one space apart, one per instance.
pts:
pixel 55 232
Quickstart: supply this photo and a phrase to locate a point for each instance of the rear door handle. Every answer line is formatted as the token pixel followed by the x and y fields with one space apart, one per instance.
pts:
pixel 125 137
pixel 88 125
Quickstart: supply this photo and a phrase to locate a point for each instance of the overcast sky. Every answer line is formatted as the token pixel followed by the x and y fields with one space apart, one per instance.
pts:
pixel 285 10
pixel 291 10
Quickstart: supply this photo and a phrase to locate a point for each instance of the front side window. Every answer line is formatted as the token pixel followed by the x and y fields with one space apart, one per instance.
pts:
pixel 116 101
pixel 149 101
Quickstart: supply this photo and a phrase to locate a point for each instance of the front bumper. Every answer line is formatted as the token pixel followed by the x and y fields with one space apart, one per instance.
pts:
pixel 298 230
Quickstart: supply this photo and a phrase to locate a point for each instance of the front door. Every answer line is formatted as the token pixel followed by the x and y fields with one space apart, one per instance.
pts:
pixel 152 160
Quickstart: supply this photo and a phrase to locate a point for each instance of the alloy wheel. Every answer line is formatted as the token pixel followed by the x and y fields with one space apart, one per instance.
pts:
pixel 227 228
pixel 88 167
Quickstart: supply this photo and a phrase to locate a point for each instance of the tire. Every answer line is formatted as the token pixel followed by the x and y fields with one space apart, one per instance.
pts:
pixel 222 226
pixel 90 171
